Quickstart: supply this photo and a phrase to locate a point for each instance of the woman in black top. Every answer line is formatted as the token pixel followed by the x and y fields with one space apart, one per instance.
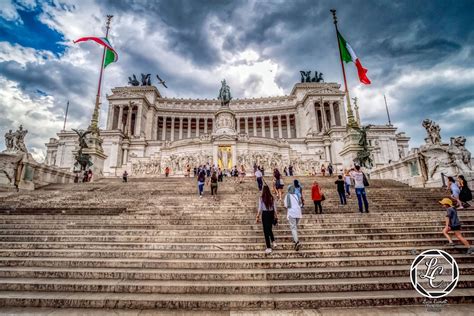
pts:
pixel 278 183
pixel 268 210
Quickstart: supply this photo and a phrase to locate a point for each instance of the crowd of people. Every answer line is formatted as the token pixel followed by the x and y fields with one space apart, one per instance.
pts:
pixel 293 199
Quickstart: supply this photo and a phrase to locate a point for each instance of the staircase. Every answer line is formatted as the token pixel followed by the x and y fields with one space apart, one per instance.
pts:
pixel 154 244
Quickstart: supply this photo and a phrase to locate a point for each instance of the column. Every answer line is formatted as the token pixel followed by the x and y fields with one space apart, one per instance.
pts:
pixel 172 128
pixel 205 125
pixel 247 125
pixel 110 117
pixel 280 133
pixel 129 120
pixel 271 127
pixel 125 156
pixel 238 125
pixel 316 118
pixel 197 126
pixel 333 117
pixel 263 126
pixel 180 128
pixel 328 153
pixel 254 126
pixel 138 121
pixel 120 118
pixel 288 126
pixel 323 120
pixel 163 131
pixel 189 127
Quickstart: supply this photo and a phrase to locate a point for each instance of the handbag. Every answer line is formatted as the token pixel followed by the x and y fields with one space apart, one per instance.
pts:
pixel 323 197
pixel 365 180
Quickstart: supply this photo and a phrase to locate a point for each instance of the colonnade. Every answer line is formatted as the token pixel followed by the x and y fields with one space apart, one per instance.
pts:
pixel 328 114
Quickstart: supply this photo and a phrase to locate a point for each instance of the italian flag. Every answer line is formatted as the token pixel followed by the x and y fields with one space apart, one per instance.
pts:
pixel 349 55
pixel 110 53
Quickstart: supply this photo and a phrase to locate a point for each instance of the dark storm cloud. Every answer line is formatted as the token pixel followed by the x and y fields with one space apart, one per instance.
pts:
pixel 392 38
pixel 61 80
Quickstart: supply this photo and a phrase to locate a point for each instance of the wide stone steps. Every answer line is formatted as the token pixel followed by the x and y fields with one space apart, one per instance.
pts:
pixel 305 252
pixel 141 245
pixel 214 287
pixel 221 239
pixel 220 302
pixel 217 274
pixel 198 247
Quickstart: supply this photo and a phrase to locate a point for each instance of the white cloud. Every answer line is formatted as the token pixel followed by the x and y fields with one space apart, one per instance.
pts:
pixel 34 114
pixel 9 12
pixel 23 55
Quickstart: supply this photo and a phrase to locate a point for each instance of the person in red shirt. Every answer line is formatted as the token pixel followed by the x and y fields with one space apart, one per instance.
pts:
pixel 167 171
pixel 317 197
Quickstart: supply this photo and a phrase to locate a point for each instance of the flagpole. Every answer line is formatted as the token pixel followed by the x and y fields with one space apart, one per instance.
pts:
pixel 388 113
pixel 94 127
pixel 65 116
pixel 351 123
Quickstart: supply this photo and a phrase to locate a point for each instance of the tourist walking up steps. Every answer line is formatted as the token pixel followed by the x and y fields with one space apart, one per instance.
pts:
pixel 299 191
pixel 278 183
pixel 455 191
pixel 347 182
pixel 267 209
pixel 323 170
pixel 259 178
pixel 341 190
pixel 359 185
pixel 330 170
pixel 125 176
pixel 201 180
pixel 453 224
pixel 293 214
pixel 465 195
pixel 214 185
pixel 317 196
pixel 241 174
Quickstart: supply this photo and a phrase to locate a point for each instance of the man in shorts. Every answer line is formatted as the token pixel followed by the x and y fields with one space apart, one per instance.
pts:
pixel 453 224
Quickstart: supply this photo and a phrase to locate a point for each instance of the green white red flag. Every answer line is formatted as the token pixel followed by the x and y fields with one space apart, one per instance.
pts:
pixel 348 55
pixel 111 55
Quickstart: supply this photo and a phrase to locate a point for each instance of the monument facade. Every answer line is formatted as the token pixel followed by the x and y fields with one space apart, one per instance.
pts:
pixel 146 132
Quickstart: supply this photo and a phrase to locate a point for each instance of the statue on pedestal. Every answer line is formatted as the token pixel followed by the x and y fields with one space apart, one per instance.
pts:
pixel 82 160
pixel 15 141
pixel 364 158
pixel 224 94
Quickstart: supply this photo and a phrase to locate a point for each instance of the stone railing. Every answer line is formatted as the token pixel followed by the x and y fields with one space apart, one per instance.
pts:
pixel 20 171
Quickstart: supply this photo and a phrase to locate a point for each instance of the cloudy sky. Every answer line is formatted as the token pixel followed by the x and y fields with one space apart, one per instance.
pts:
pixel 420 54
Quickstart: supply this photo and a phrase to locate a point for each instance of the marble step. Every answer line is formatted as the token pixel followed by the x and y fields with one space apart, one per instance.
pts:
pixel 214 287
pixel 282 235
pixel 221 302
pixel 216 274
pixel 216 233
pixel 284 243
pixel 305 252
pixel 264 262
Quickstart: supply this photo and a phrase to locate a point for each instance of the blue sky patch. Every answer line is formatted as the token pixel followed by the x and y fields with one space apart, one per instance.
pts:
pixel 32 33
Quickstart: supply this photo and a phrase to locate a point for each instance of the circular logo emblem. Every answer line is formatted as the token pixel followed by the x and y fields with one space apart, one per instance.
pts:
pixel 434 273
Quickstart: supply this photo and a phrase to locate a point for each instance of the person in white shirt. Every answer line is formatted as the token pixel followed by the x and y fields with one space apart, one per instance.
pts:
pixel 294 215
pixel 347 182
pixel 359 186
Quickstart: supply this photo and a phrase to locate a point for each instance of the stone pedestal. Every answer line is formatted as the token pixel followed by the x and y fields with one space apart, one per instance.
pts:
pixel 351 148
pixel 94 143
